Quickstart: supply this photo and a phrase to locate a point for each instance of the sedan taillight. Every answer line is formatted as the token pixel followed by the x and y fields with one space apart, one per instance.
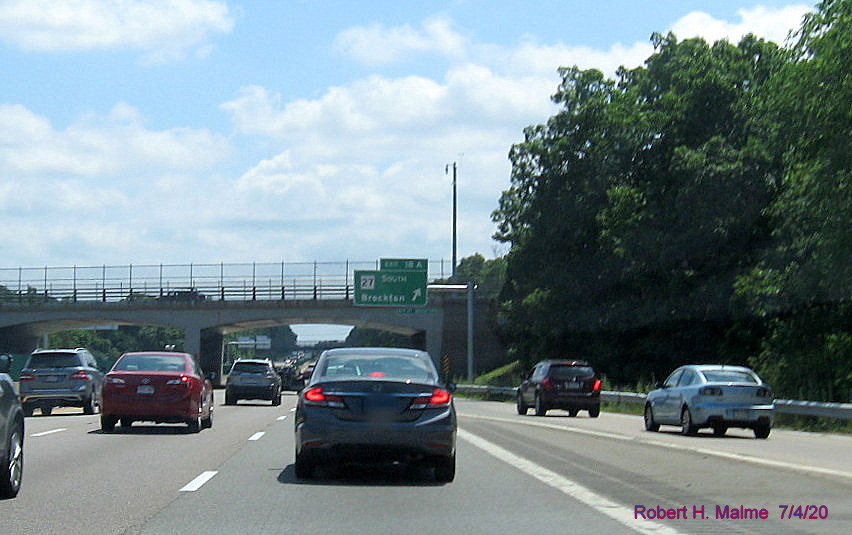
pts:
pixel 438 399
pixel 764 393
pixel 597 385
pixel 79 376
pixel 182 380
pixel 316 396
pixel 114 381
pixel 711 391
pixel 27 377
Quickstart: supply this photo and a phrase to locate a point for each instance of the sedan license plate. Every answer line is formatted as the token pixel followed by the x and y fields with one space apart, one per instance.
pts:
pixel 738 414
pixel 51 379
pixel 573 386
pixel 145 389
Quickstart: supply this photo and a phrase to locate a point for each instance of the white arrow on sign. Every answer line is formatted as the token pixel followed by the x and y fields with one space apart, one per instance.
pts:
pixel 417 293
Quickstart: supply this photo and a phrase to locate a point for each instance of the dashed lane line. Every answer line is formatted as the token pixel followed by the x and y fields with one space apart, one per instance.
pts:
pixel 196 483
pixel 44 433
pixel 257 435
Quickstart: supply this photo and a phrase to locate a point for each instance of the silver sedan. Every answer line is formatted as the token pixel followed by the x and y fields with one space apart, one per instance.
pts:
pixel 715 396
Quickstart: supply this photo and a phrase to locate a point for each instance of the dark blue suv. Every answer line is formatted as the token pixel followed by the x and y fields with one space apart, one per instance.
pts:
pixel 11 433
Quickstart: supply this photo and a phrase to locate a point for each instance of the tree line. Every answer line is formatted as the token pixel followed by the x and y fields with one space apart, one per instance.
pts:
pixel 695 209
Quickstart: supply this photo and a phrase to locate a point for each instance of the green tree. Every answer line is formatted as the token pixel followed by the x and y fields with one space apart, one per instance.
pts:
pixel 802 285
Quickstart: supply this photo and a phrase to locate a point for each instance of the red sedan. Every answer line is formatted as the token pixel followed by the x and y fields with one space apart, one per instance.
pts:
pixel 156 387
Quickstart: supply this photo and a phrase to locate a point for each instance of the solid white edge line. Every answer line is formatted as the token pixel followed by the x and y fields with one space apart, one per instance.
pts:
pixel 280 418
pixel 196 483
pixel 43 433
pixel 681 447
pixel 257 435
pixel 620 513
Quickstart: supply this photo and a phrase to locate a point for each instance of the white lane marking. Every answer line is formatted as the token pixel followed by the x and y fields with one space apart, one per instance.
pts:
pixel 681 447
pixel 196 483
pixel 280 418
pixel 293 409
pixel 43 433
pixel 620 513
pixel 257 435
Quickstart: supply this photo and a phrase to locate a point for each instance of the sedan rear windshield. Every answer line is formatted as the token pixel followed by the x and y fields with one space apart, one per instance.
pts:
pixel 728 376
pixel 249 367
pixel 567 372
pixel 150 363
pixel 54 360
pixel 378 366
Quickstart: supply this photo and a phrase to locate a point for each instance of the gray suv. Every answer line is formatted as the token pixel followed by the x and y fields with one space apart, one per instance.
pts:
pixel 253 379
pixel 60 378
pixel 11 433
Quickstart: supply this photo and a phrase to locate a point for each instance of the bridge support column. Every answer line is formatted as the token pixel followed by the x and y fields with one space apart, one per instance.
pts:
pixel 212 351
pixel 19 340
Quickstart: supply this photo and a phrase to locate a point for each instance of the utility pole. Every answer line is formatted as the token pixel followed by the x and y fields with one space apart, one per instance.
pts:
pixel 455 202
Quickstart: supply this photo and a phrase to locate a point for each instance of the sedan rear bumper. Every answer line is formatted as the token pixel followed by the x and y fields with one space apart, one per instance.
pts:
pixel 323 436
pixel 730 416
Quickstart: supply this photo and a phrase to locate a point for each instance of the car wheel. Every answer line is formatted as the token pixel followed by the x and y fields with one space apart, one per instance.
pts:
pixel 522 407
pixel 572 412
pixel 304 467
pixel 126 422
pixel 650 424
pixel 762 431
pixel 12 471
pixel 686 426
pixel 276 399
pixel 90 406
pixel 720 430
pixel 445 469
pixel 540 409
pixel 595 412
pixel 229 399
pixel 193 425
pixel 46 411
pixel 108 422
pixel 207 423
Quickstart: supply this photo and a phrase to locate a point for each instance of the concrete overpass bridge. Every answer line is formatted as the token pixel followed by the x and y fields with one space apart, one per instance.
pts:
pixel 211 300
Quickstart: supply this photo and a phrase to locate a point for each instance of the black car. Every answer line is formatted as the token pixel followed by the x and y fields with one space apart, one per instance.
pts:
pixel 571 385
pixel 376 405
pixel 11 432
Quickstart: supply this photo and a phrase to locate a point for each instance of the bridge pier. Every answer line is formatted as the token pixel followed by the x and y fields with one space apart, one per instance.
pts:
pixel 207 346
pixel 19 340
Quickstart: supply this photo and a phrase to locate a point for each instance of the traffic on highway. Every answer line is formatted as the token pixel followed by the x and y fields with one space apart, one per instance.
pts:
pixel 366 445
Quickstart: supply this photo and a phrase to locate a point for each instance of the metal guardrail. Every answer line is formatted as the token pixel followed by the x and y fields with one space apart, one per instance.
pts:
pixel 189 282
pixel 842 411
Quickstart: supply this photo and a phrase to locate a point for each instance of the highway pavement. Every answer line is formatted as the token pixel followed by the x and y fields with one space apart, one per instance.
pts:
pixel 516 474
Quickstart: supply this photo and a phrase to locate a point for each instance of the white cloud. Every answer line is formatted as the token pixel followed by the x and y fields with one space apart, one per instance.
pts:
pixel 161 29
pixel 771 24
pixel 378 44
pixel 96 146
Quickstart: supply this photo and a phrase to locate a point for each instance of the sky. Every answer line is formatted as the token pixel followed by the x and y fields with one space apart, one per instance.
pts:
pixel 206 131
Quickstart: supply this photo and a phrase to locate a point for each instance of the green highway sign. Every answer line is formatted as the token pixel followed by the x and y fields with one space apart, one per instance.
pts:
pixel 390 288
pixel 404 264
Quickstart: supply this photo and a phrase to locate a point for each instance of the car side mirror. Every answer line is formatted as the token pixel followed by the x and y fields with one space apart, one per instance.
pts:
pixel 5 363
pixel 451 387
pixel 660 384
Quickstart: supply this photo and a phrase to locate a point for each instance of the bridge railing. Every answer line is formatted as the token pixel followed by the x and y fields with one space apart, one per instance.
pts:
pixel 189 282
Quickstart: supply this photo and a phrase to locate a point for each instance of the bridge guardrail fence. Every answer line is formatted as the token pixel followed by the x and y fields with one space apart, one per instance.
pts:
pixel 842 411
pixel 189 282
